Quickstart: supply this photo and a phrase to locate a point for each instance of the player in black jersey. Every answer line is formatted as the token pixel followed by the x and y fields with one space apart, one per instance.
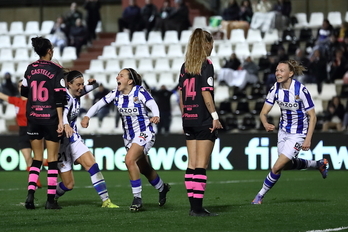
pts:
pixel 44 86
pixel 200 120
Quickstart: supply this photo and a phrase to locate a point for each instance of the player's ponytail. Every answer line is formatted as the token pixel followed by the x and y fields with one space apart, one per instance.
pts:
pixel 295 67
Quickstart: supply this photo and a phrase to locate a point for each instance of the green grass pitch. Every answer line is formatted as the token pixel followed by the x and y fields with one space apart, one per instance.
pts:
pixel 300 201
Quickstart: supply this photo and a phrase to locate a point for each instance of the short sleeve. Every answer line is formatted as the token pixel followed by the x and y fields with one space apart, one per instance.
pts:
pixel 270 98
pixel 207 76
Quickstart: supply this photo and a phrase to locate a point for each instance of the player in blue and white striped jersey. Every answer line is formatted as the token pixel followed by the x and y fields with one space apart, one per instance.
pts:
pixel 296 125
pixel 133 102
pixel 72 149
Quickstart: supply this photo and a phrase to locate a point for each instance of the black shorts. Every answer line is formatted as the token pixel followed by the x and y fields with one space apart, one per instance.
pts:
pixel 48 132
pixel 23 139
pixel 200 133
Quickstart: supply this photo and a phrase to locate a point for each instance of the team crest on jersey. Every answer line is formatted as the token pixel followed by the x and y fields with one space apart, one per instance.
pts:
pixel 136 100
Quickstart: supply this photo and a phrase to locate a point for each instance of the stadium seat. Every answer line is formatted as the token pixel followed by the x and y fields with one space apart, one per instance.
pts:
pixel 95 66
pixel 122 38
pixel 145 65
pixel 242 107
pixel 126 51
pixel 258 50
pixel 69 54
pixel 328 91
pixel 112 67
pixel 161 65
pixel 171 37
pixel 109 52
pixel 32 28
pixel 10 112
pixel 237 36
pixel 3 28
pixel 103 78
pixel 185 36
pixel 271 36
pixel 254 35
pixel 21 54
pixel 335 18
pixel 346 17
pixel 6 54
pixel 216 63
pixel 221 94
pixel 166 79
pixel 16 28
pixel 142 51
pixel 19 41
pixel 316 20
pixel 158 50
pixel 199 22
pixel 56 54
pixel 155 37
pixel 176 66
pixel 138 38
pixel 224 50
pixel 174 50
pixel 302 21
pixel 3 127
pixel 129 63
pixel 176 125
pixel 5 41
pixel 242 50
pixel 151 79
pixel 46 27
pixel 21 68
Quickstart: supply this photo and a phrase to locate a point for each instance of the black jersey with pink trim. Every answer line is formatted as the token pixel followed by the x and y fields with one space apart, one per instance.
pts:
pixel 45 84
pixel 195 112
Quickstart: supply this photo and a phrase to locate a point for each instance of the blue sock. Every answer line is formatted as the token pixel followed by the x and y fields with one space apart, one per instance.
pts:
pixel 98 182
pixel 136 187
pixel 61 189
pixel 269 182
pixel 157 183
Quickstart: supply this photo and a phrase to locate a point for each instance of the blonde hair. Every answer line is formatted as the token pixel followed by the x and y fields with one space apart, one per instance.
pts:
pixel 196 52
pixel 294 67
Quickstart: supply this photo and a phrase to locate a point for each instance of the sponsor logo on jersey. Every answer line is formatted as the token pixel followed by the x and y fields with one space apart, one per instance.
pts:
pixel 288 105
pixel 297 147
pixel 143 136
pixel 129 111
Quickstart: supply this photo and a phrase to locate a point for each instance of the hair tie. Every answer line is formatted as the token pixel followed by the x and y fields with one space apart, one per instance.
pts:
pixel 132 75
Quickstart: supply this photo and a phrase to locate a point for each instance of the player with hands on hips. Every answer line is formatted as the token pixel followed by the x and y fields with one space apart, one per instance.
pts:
pixel 133 103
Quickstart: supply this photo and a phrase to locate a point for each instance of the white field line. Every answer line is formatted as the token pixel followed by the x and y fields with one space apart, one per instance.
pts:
pixel 178 183
pixel 328 230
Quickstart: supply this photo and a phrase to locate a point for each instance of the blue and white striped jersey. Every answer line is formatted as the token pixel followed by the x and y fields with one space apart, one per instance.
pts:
pixel 72 110
pixel 293 102
pixel 132 108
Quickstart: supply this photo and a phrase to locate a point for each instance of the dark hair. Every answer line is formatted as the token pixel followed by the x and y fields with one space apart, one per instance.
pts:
pixel 133 75
pixel 72 75
pixel 41 45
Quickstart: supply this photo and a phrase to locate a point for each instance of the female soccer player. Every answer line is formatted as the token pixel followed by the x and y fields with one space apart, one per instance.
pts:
pixel 296 124
pixel 133 102
pixel 72 149
pixel 44 86
pixel 200 120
